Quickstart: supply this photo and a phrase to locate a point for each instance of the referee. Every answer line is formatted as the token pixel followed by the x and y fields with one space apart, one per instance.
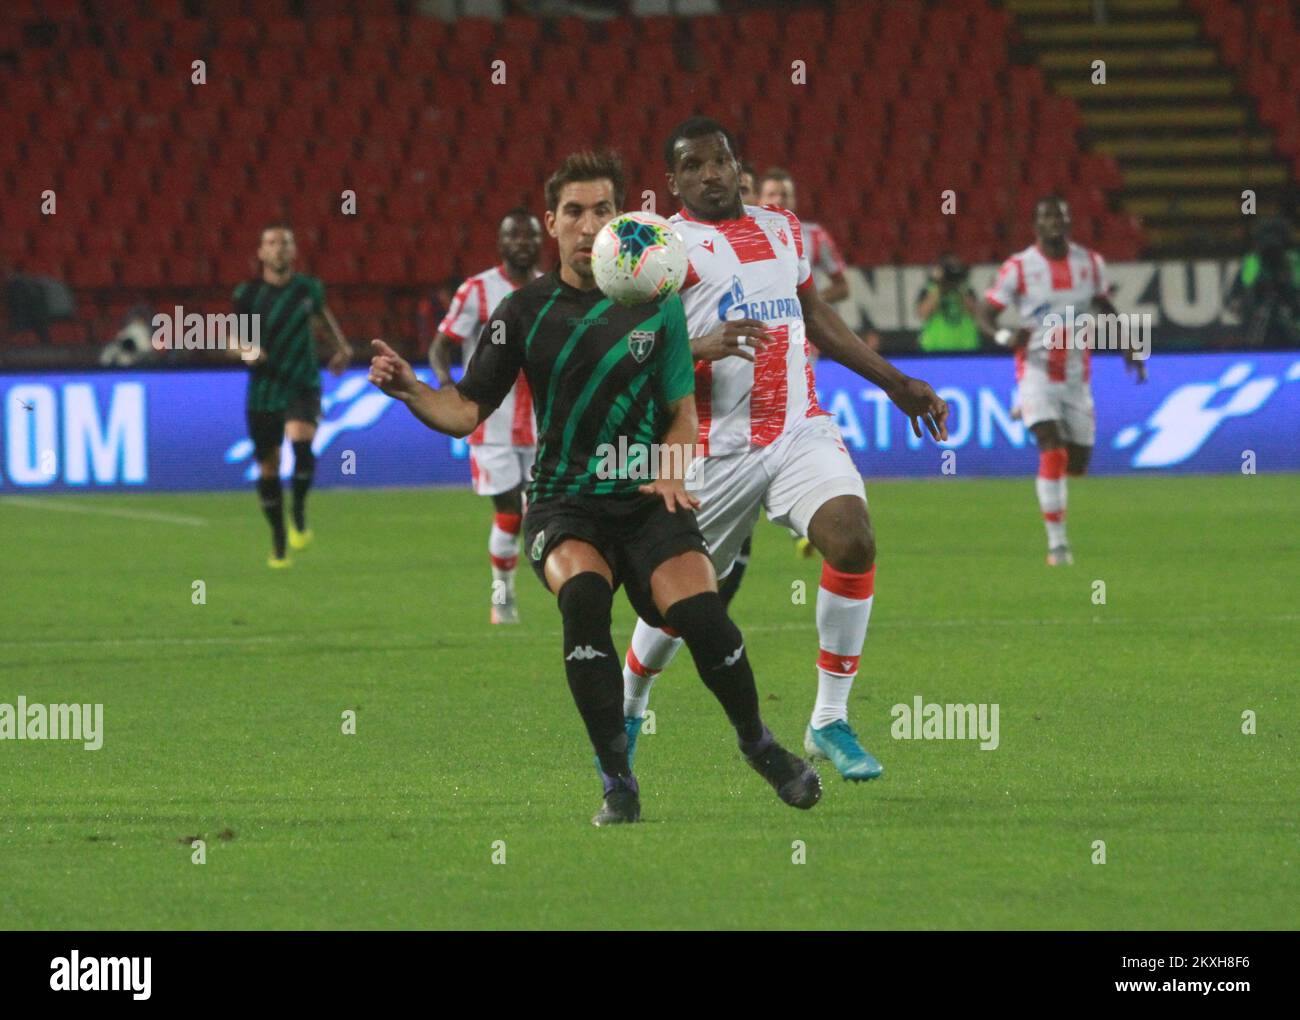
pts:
pixel 284 381
pixel 606 377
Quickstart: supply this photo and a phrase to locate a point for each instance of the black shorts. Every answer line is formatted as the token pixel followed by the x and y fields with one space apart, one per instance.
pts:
pixel 633 533
pixel 266 428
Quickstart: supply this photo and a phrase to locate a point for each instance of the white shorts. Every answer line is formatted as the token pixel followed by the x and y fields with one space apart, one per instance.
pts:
pixel 495 468
pixel 1070 404
pixel 790 479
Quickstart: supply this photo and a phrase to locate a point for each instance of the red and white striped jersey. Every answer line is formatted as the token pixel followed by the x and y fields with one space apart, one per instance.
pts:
pixel 1039 286
pixel 512 423
pixel 753 267
pixel 823 253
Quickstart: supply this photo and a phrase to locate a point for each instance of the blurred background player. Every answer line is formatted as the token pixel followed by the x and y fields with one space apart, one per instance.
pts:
pixel 777 188
pixel 1049 277
pixel 589 535
pixel 502 448
pixel 748 184
pixel 946 307
pixel 765 442
pixel 284 380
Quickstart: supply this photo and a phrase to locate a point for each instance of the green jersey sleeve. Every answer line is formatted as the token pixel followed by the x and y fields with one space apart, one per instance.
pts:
pixel 676 367
pixel 497 359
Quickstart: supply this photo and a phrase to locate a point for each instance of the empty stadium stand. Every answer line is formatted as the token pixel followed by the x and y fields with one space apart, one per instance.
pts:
pixel 162 184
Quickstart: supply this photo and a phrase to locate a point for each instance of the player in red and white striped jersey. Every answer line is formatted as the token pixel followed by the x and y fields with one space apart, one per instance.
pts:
pixel 764 442
pixel 1053 277
pixel 502 448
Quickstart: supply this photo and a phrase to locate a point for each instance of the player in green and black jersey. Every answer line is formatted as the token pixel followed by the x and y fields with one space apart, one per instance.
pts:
pixel 284 381
pixel 614 392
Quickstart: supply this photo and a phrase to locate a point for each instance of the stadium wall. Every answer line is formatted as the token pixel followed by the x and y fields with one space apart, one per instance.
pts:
pixel 164 430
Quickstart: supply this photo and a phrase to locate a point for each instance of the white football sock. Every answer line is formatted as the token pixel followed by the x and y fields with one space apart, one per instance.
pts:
pixel 503 550
pixel 648 655
pixel 1052 495
pixel 843 611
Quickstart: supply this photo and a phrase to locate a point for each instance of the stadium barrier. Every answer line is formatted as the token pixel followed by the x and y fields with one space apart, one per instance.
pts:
pixel 175 430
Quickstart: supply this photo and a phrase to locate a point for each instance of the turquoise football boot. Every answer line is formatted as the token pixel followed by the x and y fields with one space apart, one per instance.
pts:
pixel 839 745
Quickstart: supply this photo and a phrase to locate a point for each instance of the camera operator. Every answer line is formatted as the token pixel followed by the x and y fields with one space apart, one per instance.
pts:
pixel 946 308
pixel 1266 293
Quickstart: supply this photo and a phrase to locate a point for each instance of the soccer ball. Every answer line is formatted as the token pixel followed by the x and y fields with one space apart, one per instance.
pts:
pixel 638 257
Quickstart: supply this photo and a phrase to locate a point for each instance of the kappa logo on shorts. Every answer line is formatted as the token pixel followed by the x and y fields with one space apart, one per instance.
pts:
pixel 539 543
pixel 585 652
pixel 640 342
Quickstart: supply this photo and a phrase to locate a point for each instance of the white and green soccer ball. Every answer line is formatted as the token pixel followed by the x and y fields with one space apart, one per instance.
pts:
pixel 638 257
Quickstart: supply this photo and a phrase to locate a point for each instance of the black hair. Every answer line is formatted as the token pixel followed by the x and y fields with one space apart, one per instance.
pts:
pixel 518 213
pixel 695 127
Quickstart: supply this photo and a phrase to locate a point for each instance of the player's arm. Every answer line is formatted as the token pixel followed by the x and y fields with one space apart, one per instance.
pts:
pixel 675 390
pixel 837 289
pixel 443 410
pixel 1003 292
pixel 440 357
pixel 235 351
pixel 342 355
pixel 678 445
pixel 833 263
pixel 464 318
pixel 928 301
pixel 914 397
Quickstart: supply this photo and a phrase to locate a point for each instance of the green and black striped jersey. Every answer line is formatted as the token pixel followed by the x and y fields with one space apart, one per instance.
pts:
pixel 602 377
pixel 284 324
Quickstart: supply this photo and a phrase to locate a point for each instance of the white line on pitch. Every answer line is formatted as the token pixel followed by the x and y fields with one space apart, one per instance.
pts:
pixel 33 503
pixel 760 628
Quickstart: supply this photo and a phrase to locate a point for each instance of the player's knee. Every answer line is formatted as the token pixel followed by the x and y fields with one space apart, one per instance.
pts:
pixel 852 548
pixel 704 625
pixel 270 466
pixel 509 502
pixel 586 600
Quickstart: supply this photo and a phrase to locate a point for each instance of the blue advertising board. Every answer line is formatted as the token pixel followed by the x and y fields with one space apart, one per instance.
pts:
pixel 178 430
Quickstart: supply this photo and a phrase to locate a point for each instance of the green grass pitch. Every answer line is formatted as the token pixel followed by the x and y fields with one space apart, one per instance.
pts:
pixel 1119 722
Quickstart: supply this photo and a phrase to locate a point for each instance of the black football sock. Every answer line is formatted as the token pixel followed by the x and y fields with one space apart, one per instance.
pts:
pixel 718 649
pixel 272 497
pixel 304 470
pixel 730 584
pixel 593 667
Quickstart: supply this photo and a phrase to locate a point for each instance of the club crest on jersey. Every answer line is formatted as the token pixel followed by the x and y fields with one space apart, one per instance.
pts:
pixel 780 233
pixel 539 543
pixel 640 342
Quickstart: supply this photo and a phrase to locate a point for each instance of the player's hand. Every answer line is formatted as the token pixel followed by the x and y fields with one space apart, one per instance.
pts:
pixel 339 362
pixel 1139 368
pixel 725 341
pixel 673 492
pixel 920 403
pixel 391 373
